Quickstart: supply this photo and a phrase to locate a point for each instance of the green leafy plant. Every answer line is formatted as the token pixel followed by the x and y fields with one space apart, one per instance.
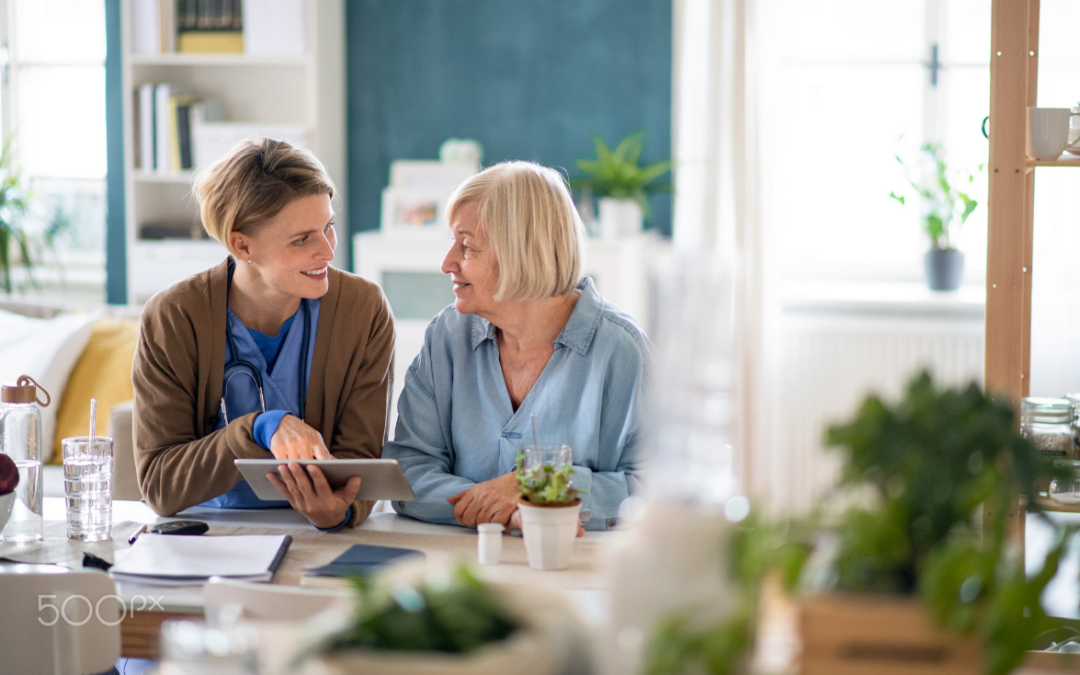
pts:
pixel 942 194
pixel 616 173
pixel 546 484
pixel 20 242
pixel 458 617
pixel 945 467
pixel 755 550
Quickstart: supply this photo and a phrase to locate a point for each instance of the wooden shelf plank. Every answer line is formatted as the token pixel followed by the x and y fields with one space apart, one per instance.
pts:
pixel 218 60
pixel 162 177
pixel 1064 160
pixel 1048 504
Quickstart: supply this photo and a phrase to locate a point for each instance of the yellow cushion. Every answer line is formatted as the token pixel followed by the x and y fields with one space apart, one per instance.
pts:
pixel 102 372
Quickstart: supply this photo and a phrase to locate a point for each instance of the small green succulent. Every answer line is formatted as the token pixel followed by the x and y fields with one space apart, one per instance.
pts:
pixel 546 484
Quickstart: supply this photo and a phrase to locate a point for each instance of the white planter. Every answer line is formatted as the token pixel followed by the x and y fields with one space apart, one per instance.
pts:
pixel 620 218
pixel 549 533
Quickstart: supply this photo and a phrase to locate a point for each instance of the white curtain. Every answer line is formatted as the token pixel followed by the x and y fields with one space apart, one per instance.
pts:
pixel 717 201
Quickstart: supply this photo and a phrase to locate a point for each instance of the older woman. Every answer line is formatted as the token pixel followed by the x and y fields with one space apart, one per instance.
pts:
pixel 270 354
pixel 527 334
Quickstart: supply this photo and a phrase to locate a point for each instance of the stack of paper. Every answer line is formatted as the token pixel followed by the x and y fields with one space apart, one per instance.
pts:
pixel 177 560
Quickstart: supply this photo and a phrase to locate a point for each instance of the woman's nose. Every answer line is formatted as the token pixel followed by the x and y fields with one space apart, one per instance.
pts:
pixel 449 263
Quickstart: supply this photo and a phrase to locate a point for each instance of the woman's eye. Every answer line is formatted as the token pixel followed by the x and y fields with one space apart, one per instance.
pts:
pixel 300 241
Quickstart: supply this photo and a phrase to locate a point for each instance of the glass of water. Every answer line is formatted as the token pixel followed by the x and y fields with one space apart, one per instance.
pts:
pixel 88 474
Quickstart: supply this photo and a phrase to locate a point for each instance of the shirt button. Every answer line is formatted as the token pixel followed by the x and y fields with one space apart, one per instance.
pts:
pixel 612 522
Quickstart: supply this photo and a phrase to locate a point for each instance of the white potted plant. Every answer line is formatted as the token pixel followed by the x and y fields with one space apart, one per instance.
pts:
pixel 418 621
pixel 622 185
pixel 549 506
pixel 945 208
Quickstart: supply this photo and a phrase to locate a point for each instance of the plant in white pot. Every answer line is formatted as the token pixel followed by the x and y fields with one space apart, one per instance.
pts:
pixel 549 506
pixel 945 206
pixel 419 620
pixel 622 185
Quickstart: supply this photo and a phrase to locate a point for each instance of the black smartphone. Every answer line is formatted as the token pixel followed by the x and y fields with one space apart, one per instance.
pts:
pixel 180 527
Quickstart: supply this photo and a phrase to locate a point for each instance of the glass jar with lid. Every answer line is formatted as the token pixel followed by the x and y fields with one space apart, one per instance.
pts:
pixel 1048 424
pixel 1074 454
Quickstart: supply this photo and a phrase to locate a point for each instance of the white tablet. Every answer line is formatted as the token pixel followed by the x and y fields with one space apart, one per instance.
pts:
pixel 380 478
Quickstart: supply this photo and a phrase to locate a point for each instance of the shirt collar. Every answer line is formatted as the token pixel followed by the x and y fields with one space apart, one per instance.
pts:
pixel 579 330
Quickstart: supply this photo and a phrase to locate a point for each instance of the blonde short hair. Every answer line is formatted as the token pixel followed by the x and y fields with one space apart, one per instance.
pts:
pixel 527 214
pixel 253 182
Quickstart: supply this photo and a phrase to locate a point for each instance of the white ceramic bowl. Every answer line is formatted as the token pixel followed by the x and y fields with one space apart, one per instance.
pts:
pixel 6 502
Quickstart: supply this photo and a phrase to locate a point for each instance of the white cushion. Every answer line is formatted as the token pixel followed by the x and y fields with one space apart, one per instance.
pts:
pixel 46 350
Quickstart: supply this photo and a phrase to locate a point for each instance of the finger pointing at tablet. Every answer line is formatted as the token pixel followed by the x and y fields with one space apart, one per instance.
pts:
pixel 296 440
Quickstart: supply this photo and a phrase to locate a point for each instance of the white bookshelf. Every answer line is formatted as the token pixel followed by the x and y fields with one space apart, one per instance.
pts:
pixel 307 90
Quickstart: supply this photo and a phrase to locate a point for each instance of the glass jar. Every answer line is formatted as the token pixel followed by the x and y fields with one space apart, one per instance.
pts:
pixel 1048 424
pixel 20 439
pixel 1075 400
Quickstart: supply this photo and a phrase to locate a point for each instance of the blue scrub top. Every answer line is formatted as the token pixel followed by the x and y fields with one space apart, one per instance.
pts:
pixel 281 388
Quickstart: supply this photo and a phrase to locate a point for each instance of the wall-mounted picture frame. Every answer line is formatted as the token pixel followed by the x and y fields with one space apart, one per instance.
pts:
pixel 410 210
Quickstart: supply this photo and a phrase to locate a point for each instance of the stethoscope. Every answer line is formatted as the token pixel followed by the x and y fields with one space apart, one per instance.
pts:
pixel 241 366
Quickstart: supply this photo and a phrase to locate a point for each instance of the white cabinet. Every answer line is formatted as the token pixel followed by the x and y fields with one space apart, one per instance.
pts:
pixel 407 268
pixel 306 90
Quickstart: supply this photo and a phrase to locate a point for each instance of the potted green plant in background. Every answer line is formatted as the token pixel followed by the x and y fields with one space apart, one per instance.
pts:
pixel 919 576
pixel 549 506
pixel 945 207
pixel 22 243
pixel 411 620
pixel 622 185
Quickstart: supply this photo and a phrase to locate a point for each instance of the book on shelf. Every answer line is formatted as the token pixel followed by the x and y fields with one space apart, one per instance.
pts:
pixel 209 26
pixel 164 118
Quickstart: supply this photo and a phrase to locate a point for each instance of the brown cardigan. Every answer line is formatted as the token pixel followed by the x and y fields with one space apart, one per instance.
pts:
pixel 181 460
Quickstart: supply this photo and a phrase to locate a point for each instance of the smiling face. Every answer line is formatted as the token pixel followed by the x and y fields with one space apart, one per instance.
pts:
pixel 291 251
pixel 471 264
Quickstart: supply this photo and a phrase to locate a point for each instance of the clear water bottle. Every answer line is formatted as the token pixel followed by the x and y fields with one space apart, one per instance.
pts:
pixel 20 439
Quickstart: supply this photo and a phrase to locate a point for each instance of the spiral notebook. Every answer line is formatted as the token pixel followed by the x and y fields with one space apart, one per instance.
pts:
pixel 170 560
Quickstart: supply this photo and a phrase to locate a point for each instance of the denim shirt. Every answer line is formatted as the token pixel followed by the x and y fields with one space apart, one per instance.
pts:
pixel 456 426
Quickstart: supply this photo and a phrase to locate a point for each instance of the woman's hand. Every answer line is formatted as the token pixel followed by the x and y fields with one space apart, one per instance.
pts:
pixel 492 501
pixel 310 494
pixel 296 440
pixel 515 524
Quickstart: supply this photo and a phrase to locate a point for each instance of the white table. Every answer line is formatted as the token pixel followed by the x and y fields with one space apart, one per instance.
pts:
pixel 583 583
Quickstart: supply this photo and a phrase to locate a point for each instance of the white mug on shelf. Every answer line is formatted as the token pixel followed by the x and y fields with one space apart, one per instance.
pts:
pixel 1048 132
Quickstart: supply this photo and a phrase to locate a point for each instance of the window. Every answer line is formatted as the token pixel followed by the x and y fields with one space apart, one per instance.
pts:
pixel 52 111
pixel 841 80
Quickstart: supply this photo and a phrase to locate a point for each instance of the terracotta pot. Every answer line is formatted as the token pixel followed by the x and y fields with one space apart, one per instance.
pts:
pixel 549 533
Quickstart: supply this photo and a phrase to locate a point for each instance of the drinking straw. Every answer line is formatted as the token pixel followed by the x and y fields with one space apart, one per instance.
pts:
pixel 536 432
pixel 93 419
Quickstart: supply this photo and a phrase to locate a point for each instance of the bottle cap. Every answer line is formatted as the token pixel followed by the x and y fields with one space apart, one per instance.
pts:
pixel 25 390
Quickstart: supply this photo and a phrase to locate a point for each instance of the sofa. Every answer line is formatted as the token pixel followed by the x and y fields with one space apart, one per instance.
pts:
pixel 76 353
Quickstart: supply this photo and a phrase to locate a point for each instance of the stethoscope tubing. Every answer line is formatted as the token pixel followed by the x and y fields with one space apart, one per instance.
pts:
pixel 254 372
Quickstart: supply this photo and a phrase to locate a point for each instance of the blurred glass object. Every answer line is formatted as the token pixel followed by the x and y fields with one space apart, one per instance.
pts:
pixel 200 648
pixel 692 401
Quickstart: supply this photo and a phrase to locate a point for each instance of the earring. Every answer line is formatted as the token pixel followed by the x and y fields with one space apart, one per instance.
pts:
pixel 249 261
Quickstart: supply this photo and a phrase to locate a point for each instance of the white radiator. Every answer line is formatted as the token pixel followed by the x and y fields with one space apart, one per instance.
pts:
pixel 826 366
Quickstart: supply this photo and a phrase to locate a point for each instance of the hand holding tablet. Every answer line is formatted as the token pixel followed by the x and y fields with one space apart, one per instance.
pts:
pixel 380 478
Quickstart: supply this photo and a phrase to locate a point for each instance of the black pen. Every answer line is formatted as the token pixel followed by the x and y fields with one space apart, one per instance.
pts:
pixel 141 530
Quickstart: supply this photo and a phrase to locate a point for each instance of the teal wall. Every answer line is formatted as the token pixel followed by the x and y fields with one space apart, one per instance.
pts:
pixel 529 80
pixel 115 240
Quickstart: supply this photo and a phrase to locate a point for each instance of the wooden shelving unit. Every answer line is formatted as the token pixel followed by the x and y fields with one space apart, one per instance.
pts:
pixel 1014 70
